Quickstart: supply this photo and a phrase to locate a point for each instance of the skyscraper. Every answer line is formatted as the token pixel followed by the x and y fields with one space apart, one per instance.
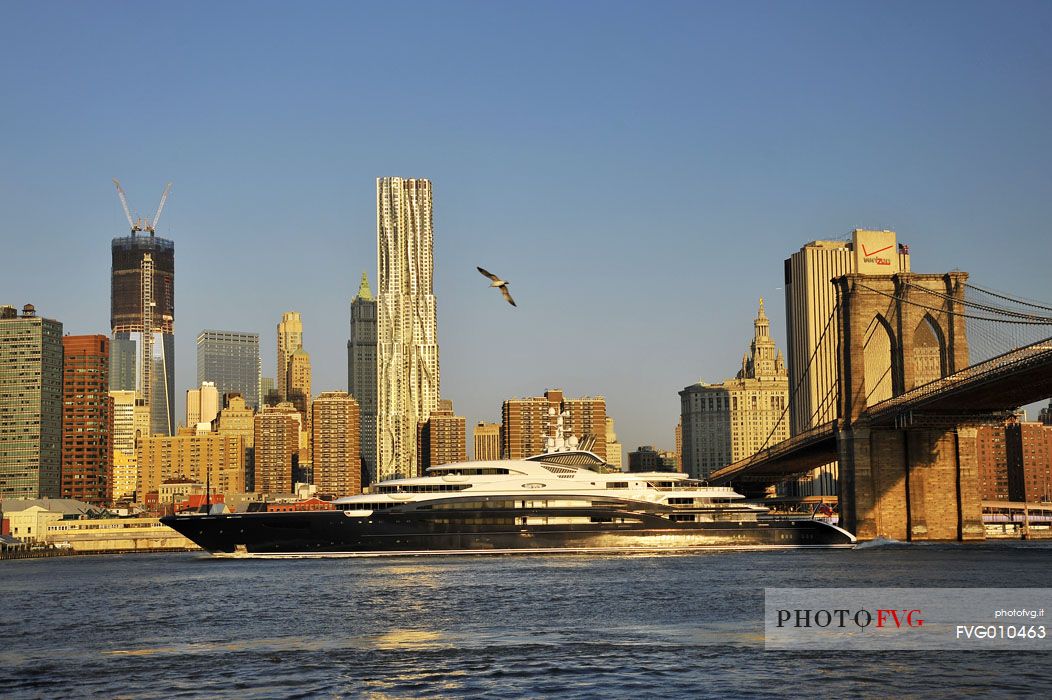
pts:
pixel 230 360
pixel 277 441
pixel 407 336
pixel 991 452
pixel 290 338
pixel 87 419
pixel 202 404
pixel 361 369
pixel 202 456
pixel 30 405
pixel 336 450
pixel 128 427
pixel 1029 451
pixel 487 441
pixel 1045 415
pixel 613 447
pixel 810 301
pixel 238 418
pixel 142 310
pixel 298 386
pixel 647 459
pixel 725 422
pixel 122 364
pixel 678 438
pixel 443 437
pixel 536 424
pixel 268 391
pixel 298 382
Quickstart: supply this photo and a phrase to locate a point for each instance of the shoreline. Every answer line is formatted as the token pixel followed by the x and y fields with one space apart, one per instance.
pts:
pixel 53 552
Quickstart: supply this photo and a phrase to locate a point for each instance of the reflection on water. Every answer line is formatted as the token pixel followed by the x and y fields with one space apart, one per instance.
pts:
pixel 409 639
pixel 573 626
pixel 727 633
pixel 395 639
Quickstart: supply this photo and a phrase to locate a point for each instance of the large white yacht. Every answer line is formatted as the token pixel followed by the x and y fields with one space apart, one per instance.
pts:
pixel 559 502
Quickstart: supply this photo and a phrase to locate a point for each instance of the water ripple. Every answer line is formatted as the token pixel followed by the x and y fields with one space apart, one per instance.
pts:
pixel 186 626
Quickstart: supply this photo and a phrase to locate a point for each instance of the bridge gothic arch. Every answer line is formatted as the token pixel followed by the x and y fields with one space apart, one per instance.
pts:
pixel 879 363
pixel 906 481
pixel 896 332
pixel 929 352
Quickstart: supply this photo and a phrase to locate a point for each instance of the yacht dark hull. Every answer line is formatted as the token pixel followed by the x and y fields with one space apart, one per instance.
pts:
pixel 331 533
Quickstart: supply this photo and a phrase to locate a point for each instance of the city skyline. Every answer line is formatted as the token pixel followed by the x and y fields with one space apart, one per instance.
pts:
pixel 814 233
pixel 553 184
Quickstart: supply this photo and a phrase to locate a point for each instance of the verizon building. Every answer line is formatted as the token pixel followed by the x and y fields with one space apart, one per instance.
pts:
pixel 810 300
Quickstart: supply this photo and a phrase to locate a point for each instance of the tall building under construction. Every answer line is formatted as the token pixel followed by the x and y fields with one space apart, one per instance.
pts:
pixel 142 317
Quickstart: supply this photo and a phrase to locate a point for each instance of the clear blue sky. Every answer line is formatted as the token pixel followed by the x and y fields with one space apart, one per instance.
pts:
pixel 639 171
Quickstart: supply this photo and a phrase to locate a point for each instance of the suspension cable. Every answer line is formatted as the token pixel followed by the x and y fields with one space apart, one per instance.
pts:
pixel 1008 298
pixel 981 307
pixel 807 368
pixel 829 398
pixel 1043 322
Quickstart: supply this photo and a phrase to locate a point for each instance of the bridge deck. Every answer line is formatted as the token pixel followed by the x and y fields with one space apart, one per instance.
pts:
pixel 798 454
pixel 1006 382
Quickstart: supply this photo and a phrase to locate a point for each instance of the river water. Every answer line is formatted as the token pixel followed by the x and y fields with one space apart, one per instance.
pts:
pixel 670 626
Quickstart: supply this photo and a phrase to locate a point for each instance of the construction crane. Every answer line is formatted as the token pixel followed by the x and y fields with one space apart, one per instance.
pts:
pixel 138 224
pixel 152 228
pixel 124 203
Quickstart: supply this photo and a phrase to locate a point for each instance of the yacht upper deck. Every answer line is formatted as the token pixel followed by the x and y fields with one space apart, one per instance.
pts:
pixel 559 473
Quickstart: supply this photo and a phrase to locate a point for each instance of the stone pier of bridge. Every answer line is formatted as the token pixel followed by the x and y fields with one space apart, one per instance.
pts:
pixel 914 478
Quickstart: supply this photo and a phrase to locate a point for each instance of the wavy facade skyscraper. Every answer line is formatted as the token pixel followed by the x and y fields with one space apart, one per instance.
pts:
pixel 407 335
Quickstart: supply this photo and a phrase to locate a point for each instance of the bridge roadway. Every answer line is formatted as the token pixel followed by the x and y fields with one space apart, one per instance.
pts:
pixel 985 389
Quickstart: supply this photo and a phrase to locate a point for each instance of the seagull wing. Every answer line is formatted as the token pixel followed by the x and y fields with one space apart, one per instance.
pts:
pixel 507 296
pixel 489 274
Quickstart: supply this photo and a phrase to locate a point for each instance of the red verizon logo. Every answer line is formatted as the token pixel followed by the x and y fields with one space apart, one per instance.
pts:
pixel 870 256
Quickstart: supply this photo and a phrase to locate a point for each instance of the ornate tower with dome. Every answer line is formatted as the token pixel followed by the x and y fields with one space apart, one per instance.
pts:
pixel 723 423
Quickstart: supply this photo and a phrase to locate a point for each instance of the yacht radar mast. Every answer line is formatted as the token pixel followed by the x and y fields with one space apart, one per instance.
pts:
pixel 561 440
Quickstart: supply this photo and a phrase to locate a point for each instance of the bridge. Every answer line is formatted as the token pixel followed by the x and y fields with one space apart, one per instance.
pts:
pixel 910 394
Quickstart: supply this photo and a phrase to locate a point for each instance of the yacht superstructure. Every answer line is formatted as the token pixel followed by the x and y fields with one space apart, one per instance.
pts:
pixel 558 502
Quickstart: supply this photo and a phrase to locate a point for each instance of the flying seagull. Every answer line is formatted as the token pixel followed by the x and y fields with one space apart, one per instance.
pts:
pixel 499 284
